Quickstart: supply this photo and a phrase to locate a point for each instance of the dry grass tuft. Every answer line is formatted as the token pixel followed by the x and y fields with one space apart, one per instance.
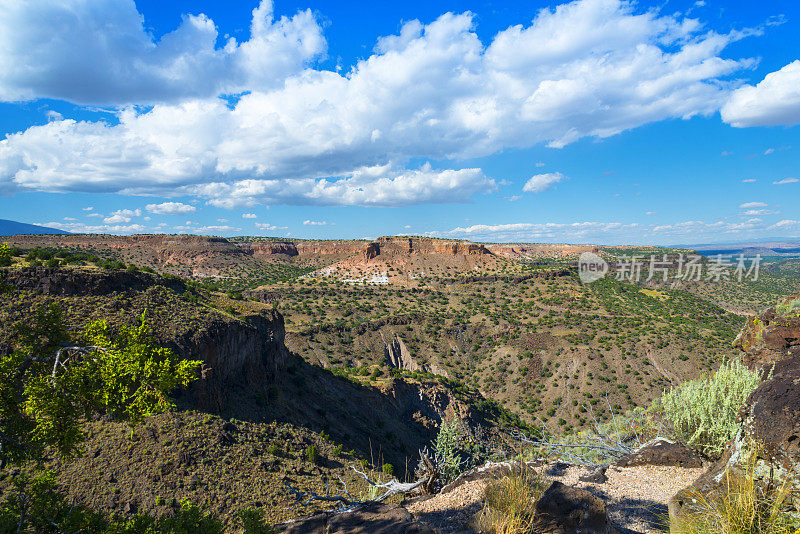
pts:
pixel 744 504
pixel 509 503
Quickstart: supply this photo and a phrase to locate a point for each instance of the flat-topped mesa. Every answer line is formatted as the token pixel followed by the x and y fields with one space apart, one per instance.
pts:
pixel 539 250
pixel 182 243
pixel 393 246
pixel 269 248
pixel 329 248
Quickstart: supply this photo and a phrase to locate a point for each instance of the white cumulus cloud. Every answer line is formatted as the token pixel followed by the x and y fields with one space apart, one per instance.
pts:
pixel 301 135
pixel 775 101
pixel 122 216
pixel 99 52
pixel 170 208
pixel 268 226
pixel 540 182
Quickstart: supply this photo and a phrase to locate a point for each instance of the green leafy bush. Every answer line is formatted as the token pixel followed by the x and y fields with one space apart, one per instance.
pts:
pixel 703 412
pixel 5 255
pixel 312 454
pixel 45 390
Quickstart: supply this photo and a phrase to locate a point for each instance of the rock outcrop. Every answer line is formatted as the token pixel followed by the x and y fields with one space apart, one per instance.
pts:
pixel 398 356
pixel 661 452
pixel 238 355
pixel 271 248
pixel 569 510
pixel 372 251
pixel 768 440
pixel 376 518
pixel 773 335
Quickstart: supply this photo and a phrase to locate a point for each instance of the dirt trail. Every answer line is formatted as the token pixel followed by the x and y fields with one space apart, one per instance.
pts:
pixel 636 497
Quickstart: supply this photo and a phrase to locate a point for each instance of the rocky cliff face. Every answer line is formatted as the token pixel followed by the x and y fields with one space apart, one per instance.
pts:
pixel 411 245
pixel 238 355
pixel 774 335
pixel 770 418
pixel 270 248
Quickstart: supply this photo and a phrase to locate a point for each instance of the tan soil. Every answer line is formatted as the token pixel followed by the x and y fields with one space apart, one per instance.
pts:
pixel 636 497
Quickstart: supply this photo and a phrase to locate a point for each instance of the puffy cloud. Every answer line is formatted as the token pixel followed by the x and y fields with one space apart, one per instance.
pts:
pixel 268 226
pixel 786 181
pixel 604 232
pixel 206 230
pixel 98 52
pixel 376 186
pixel 536 231
pixel 704 228
pixel 586 68
pixel 170 208
pixel 88 208
pixel 786 223
pixel 748 180
pixel 82 228
pixel 772 102
pixel 540 182
pixel 249 216
pixel 122 216
pixel 308 222
pixel 747 205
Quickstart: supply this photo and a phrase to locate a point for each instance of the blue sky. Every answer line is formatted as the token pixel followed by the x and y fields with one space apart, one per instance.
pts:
pixel 591 121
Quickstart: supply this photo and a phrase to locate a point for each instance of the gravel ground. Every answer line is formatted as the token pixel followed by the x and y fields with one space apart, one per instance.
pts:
pixel 636 497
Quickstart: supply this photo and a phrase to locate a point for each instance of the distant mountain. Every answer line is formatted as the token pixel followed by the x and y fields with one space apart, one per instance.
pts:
pixel 765 247
pixel 16 228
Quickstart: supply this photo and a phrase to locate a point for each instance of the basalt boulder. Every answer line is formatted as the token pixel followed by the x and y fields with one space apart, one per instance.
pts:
pixel 569 510
pixel 375 518
pixel 661 452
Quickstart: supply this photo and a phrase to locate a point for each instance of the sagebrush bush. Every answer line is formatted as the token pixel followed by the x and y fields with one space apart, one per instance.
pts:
pixel 703 412
pixel 447 446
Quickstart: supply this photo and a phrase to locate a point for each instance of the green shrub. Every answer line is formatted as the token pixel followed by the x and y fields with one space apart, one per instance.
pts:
pixel 252 521
pixel 5 255
pixel 447 446
pixel 37 506
pixel 126 375
pixel 312 454
pixel 388 469
pixel 703 412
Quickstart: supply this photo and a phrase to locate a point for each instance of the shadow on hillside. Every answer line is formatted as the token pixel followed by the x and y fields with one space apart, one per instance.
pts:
pixel 385 426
